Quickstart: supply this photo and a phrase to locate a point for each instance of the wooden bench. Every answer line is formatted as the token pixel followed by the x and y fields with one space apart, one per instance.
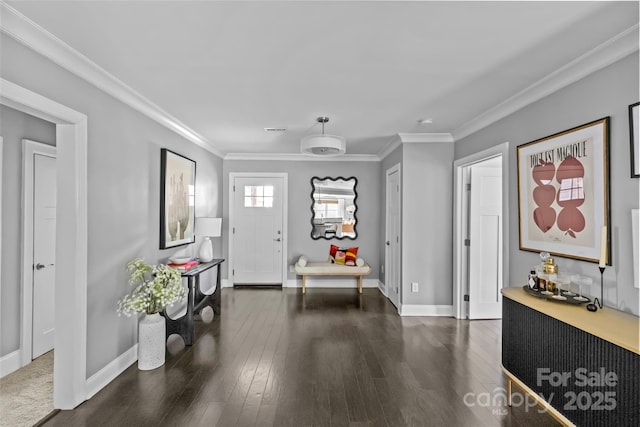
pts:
pixel 331 269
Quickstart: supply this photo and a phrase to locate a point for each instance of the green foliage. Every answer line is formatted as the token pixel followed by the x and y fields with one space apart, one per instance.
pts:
pixel 156 287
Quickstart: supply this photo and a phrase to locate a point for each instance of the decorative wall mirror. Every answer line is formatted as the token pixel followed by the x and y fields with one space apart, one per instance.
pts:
pixel 333 208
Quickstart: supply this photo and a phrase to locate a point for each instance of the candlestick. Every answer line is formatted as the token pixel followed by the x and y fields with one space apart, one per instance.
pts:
pixel 603 247
pixel 601 302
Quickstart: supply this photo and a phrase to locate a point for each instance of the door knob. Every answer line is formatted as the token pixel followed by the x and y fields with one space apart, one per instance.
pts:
pixel 40 266
pixel 277 240
pixel 388 243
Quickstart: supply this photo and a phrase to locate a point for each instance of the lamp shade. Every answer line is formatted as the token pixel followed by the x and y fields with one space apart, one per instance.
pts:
pixel 208 227
pixel 323 145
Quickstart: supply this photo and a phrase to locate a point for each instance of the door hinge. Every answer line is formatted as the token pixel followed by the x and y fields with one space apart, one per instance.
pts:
pixel 469 187
pixel 466 297
pixel 234 188
pixel 467 242
pixel 233 272
pixel 234 230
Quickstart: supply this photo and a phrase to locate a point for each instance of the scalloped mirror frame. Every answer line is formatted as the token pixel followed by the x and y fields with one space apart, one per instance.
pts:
pixel 336 227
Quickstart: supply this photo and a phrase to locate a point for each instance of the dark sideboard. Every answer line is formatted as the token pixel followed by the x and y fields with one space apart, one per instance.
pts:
pixel 582 366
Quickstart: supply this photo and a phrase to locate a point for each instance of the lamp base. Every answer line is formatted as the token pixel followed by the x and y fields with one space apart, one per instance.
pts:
pixel 206 250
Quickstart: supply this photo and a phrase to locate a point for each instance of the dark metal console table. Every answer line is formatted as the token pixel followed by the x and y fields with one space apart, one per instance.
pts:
pixel 196 301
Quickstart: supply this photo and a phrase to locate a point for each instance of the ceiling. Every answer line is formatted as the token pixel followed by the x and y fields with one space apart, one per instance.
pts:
pixel 228 70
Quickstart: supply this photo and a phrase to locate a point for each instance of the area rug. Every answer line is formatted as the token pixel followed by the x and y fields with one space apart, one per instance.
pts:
pixel 26 395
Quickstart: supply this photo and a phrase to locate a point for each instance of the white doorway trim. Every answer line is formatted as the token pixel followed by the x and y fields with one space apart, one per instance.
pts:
pixel 459 218
pixel 69 369
pixel 285 219
pixel 29 149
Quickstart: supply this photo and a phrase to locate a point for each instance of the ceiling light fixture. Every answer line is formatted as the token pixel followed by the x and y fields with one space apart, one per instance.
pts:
pixel 323 145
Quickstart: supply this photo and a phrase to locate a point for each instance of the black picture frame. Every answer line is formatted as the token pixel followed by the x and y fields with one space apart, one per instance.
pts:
pixel 177 199
pixel 634 139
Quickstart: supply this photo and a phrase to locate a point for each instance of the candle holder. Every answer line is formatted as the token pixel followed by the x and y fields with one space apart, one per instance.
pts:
pixel 600 302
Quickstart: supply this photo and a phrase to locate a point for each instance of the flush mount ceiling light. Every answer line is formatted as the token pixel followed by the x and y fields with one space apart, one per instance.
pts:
pixel 323 145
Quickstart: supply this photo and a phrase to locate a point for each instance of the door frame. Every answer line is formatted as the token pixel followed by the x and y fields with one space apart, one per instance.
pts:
pixel 459 210
pixel 70 362
pixel 29 150
pixel 393 169
pixel 285 221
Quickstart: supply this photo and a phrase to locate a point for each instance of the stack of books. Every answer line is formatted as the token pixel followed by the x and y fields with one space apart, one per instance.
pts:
pixel 184 266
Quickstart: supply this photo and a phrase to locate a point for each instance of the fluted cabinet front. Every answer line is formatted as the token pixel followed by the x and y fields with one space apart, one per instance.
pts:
pixel 590 381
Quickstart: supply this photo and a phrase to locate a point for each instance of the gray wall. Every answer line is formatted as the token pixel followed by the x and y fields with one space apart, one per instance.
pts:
pixel 123 191
pixel 427 224
pixel 607 92
pixel 14 126
pixel 299 210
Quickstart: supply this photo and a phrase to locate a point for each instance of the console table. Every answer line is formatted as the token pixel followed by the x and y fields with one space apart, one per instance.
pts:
pixel 196 301
pixel 583 367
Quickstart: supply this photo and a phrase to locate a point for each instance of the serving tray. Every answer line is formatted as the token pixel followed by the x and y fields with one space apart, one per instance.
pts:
pixel 568 300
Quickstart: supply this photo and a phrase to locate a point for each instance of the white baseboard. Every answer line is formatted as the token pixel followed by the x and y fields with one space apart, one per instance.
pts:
pixel 426 310
pixel 10 363
pixel 343 282
pixel 104 376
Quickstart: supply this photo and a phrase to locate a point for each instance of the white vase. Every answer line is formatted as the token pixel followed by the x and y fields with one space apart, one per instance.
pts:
pixel 151 341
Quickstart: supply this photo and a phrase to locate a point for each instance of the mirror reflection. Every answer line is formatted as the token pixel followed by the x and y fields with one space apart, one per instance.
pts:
pixel 333 208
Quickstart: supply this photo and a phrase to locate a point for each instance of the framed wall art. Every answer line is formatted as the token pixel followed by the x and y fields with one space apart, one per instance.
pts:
pixel 563 192
pixel 177 199
pixel 634 136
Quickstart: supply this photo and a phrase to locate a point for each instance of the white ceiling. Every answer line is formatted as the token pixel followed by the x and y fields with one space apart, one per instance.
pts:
pixel 227 70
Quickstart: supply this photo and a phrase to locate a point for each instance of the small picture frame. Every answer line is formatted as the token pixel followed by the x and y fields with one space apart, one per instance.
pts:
pixel 177 199
pixel 634 139
pixel 563 192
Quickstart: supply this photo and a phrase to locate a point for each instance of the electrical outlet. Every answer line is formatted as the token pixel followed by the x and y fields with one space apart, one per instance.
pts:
pixel 291 268
pixel 382 268
pixel 414 286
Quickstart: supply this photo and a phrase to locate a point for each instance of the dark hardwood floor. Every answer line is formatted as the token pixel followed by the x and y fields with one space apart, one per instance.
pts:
pixel 329 358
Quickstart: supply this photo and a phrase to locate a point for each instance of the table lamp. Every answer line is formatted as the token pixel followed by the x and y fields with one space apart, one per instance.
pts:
pixel 207 228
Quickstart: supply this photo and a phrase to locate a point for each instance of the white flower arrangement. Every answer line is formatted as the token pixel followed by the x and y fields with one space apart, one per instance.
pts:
pixel 157 286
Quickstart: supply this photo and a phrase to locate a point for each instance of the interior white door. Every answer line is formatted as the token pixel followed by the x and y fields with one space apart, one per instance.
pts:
pixel 257 230
pixel 44 255
pixel 485 235
pixel 392 244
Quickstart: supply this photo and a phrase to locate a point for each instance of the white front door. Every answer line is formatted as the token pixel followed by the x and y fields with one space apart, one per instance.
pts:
pixel 44 255
pixel 392 244
pixel 485 235
pixel 257 230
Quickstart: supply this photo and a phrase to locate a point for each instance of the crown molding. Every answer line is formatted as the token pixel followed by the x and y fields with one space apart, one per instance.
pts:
pixel 425 138
pixel 414 138
pixel 303 157
pixel 30 34
pixel 394 143
pixel 605 54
